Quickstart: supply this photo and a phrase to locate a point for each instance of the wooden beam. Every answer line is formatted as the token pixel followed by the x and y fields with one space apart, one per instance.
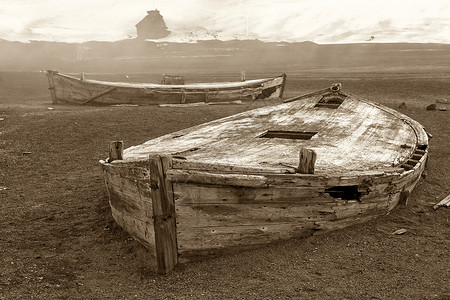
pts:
pixel 307 161
pixel 207 96
pixel 163 213
pixel 444 202
pixel 51 84
pixel 115 151
pixel 283 85
pixel 112 88
pixel 183 96
pixel 227 179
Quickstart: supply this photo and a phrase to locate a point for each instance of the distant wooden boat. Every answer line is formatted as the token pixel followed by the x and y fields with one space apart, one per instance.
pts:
pixel 319 162
pixel 69 89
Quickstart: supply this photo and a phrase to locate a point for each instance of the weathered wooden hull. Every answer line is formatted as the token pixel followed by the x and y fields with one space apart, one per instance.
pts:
pixel 68 89
pixel 213 219
pixel 221 208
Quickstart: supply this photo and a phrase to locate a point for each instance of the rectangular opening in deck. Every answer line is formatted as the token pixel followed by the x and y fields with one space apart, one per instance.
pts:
pixel 293 135
pixel 331 101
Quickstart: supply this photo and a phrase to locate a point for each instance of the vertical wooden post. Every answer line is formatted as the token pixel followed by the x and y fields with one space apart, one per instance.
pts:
pixel 207 96
pixel 183 96
pixel 83 77
pixel 51 84
pixel 163 213
pixel 243 75
pixel 283 85
pixel 115 151
pixel 307 161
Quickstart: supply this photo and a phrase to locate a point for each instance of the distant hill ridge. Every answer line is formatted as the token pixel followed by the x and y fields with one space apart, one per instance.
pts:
pixel 141 55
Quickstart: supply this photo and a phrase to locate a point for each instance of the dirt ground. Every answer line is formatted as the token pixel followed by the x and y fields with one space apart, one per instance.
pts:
pixel 59 241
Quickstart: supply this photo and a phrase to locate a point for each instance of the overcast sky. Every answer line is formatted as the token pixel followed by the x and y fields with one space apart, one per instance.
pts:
pixel 321 21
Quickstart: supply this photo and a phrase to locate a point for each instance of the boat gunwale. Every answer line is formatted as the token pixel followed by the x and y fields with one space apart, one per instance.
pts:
pixel 174 172
pixel 202 87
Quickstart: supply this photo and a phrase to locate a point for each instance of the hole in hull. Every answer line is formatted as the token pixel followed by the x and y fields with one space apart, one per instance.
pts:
pixel 344 192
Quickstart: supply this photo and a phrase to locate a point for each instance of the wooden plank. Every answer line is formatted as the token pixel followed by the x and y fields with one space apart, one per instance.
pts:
pixel 131 208
pixel 197 165
pixel 115 151
pixel 125 198
pixel 224 215
pixel 342 223
pixel 221 240
pixel 307 161
pixel 141 230
pixel 163 213
pixel 106 91
pixel 191 193
pixel 216 178
pixel 268 179
pixel 444 202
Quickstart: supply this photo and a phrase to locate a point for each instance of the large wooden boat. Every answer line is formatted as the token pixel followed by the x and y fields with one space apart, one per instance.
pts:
pixel 319 162
pixel 69 89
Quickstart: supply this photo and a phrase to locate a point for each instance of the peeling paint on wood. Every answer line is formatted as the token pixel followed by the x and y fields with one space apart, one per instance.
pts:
pixel 233 190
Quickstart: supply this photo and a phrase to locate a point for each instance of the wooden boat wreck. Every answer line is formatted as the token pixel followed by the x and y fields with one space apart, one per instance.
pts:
pixel 69 89
pixel 318 162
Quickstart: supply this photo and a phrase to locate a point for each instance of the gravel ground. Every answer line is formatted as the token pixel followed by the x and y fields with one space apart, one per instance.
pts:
pixel 59 241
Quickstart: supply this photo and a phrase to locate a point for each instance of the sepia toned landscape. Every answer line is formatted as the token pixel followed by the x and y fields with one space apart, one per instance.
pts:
pixel 59 241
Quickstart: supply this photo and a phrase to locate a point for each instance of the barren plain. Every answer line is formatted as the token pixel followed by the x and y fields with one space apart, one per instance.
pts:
pixel 59 241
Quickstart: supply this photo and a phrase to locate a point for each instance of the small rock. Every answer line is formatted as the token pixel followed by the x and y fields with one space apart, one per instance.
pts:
pixel 400 231
pixel 50 108
pixel 2 119
pixel 442 108
pixel 402 105
pixel 431 107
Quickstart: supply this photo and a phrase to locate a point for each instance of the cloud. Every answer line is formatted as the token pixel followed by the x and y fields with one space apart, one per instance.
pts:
pixel 322 21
